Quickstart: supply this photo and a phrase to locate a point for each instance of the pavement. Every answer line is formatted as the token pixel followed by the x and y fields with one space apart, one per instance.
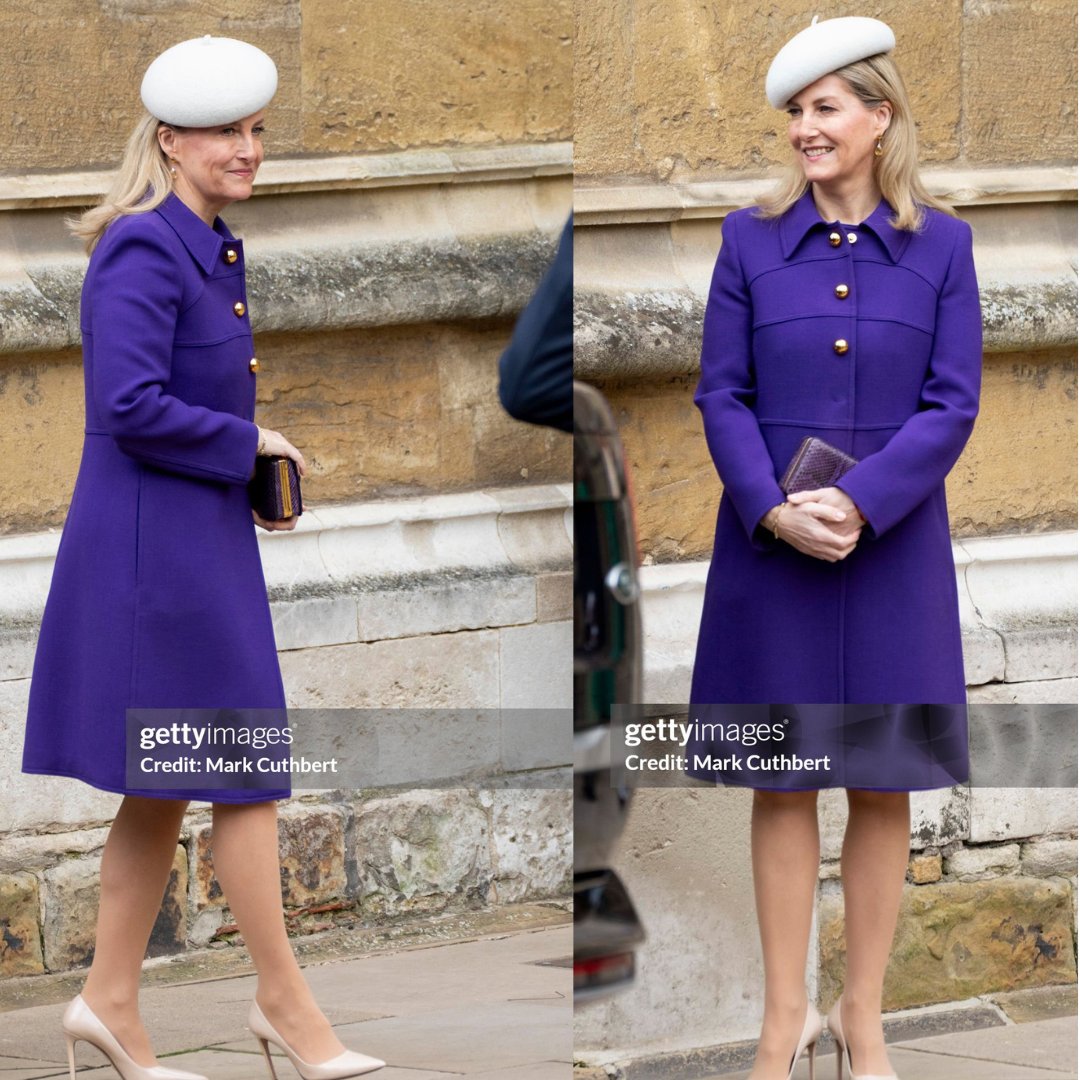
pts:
pixel 1017 1035
pixel 496 1006
pixel 1038 1050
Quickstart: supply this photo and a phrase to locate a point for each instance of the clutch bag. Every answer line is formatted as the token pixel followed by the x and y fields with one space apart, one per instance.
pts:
pixel 816 464
pixel 274 490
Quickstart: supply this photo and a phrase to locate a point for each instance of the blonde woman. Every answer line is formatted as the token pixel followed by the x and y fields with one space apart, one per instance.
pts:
pixel 157 599
pixel 844 307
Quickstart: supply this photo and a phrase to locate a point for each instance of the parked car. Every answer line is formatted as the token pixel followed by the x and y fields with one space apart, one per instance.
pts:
pixel 607 670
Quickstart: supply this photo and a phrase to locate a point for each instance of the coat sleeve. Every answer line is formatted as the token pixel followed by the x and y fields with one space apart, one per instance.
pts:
pixel 135 298
pixel 536 372
pixel 727 392
pixel 888 485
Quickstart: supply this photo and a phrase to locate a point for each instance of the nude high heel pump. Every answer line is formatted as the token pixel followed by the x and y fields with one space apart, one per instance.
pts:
pixel 79 1022
pixel 843 1051
pixel 341 1067
pixel 811 1032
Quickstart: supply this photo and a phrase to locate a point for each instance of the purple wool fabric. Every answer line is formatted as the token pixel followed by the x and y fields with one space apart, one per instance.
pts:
pixel 157 597
pixel 883 624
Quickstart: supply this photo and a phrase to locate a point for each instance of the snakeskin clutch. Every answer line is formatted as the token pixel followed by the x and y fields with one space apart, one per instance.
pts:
pixel 816 464
pixel 274 490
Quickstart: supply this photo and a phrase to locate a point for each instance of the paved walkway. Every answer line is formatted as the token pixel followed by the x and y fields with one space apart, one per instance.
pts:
pixel 1040 1050
pixel 495 1007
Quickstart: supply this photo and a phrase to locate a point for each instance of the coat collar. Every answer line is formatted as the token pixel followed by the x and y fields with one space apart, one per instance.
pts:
pixel 203 242
pixel 804 216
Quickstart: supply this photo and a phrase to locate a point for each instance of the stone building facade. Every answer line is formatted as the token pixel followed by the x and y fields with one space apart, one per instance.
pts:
pixel 672 131
pixel 418 174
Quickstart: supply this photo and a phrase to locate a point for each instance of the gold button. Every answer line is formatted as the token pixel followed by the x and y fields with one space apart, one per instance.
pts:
pixel 842 291
pixel 840 346
pixel 852 237
pixel 253 363
pixel 230 255
pixel 834 239
pixel 239 308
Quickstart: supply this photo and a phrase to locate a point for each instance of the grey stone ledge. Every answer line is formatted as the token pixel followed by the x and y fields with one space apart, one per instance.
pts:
pixel 327 259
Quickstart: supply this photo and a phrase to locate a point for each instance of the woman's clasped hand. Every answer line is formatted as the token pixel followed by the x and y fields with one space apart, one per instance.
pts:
pixel 823 523
pixel 274 444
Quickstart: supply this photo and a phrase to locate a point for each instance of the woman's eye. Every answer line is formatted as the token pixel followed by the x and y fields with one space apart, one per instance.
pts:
pixel 793 112
pixel 258 131
pixel 228 131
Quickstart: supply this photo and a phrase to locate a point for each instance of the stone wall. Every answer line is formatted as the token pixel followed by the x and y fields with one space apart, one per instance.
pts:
pixel 355 862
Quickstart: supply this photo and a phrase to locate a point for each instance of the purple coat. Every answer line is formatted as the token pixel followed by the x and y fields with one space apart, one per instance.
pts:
pixel 881 625
pixel 157 597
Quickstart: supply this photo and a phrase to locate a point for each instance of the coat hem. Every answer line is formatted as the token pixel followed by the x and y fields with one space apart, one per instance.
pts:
pixel 223 796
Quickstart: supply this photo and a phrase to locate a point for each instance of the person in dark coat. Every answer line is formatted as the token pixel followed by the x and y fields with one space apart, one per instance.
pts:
pixel 845 307
pixel 158 599
pixel 536 370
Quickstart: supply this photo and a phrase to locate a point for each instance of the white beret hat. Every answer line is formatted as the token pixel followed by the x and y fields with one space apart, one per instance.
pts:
pixel 821 48
pixel 208 81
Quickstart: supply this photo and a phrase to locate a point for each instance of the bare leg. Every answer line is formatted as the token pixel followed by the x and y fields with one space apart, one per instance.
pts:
pixel 135 869
pixel 872 866
pixel 245 849
pixel 786 853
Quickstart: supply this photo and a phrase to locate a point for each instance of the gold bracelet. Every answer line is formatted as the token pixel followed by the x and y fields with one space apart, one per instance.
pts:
pixel 776 521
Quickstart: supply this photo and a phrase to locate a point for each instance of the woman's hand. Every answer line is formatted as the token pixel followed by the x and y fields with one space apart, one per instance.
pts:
pixel 276 526
pixel 274 444
pixel 823 523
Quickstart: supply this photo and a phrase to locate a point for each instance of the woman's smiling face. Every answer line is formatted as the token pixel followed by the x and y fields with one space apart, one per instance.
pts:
pixel 834 133
pixel 214 166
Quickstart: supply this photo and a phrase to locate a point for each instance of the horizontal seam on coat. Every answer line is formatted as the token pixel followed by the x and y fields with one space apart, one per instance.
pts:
pixel 842 426
pixel 153 458
pixel 843 258
pixel 241 332
pixel 840 315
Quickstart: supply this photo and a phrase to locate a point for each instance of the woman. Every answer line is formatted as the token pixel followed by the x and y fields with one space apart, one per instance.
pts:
pixel 158 599
pixel 844 307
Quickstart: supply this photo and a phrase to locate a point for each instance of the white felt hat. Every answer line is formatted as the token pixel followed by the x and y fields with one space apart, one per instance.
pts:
pixel 208 81
pixel 821 48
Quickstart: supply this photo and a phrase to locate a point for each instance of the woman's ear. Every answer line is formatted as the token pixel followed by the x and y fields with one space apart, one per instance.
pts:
pixel 884 112
pixel 166 140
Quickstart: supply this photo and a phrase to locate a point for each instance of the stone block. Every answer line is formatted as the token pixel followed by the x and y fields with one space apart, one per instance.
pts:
pixel 443 671
pixel 419 852
pixel 536 738
pixel 937 817
pixel 535 666
pixel 36 851
pixel 69 903
pixel 1051 692
pixel 311 846
pixel 1046 651
pixel 532 835
pixel 1020 813
pixel 18 641
pixel 1049 858
pixel 307 623
pixel 1003 41
pixel 379 76
pixel 924 869
pixel 469 602
pixel 554 597
pixel 982 863
pixel 169 933
pixel 956 940
pixel 20 933
pixel 205 891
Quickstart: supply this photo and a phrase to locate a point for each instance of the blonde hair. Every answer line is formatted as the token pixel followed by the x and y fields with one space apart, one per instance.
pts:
pixel 874 81
pixel 142 182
